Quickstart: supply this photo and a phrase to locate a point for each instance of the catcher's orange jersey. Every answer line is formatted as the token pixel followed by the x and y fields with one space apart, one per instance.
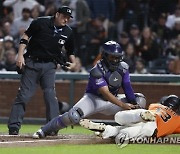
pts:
pixel 168 122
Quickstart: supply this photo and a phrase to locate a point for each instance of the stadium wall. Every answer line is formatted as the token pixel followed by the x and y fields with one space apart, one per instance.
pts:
pixel 36 106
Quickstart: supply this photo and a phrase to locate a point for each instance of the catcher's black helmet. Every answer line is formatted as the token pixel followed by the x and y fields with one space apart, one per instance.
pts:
pixel 173 102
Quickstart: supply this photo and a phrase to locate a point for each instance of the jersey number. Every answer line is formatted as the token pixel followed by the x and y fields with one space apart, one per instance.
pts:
pixel 166 118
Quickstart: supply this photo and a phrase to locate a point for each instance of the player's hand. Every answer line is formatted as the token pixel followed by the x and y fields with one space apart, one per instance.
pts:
pixel 20 61
pixel 137 106
pixel 127 106
pixel 70 66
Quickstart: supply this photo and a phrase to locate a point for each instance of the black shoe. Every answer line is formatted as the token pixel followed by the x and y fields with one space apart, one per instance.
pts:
pixel 13 131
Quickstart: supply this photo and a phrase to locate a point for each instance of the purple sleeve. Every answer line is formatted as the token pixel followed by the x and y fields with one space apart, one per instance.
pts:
pixel 98 82
pixel 126 85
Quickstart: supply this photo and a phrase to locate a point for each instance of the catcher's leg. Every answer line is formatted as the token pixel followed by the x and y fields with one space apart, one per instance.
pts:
pixel 69 118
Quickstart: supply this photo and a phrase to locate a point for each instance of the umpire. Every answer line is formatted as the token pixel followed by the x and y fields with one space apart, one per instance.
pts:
pixel 43 40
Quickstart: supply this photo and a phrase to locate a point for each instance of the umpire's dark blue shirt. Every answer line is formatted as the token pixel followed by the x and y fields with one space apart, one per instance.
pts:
pixel 46 40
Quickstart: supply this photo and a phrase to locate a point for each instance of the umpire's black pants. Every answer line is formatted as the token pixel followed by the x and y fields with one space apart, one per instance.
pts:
pixel 35 73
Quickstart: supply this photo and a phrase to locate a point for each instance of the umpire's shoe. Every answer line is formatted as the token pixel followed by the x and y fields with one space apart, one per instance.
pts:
pixel 13 131
pixel 100 127
pixel 39 134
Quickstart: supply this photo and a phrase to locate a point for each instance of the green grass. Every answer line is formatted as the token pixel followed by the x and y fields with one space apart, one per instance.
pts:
pixel 95 149
pixel 86 149
pixel 33 128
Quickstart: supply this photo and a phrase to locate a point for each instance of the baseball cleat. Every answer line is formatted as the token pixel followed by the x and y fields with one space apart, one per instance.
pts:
pixel 147 116
pixel 39 134
pixel 110 131
pixel 98 133
pixel 98 127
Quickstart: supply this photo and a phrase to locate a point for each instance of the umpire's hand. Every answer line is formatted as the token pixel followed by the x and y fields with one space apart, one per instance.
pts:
pixel 70 66
pixel 20 61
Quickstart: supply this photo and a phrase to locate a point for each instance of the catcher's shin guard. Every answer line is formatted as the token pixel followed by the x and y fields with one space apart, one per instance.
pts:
pixel 69 118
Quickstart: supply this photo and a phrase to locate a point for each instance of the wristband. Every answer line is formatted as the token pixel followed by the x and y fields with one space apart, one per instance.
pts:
pixel 23 41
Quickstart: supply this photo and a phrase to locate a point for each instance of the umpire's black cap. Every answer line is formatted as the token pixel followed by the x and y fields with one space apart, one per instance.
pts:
pixel 65 10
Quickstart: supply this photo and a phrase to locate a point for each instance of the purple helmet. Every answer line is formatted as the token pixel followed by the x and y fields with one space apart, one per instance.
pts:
pixel 114 49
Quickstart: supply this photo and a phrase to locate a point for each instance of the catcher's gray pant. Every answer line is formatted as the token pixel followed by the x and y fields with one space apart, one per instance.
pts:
pixel 89 104
pixel 35 73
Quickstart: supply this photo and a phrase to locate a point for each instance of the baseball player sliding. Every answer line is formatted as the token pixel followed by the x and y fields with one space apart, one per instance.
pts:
pixel 159 120
pixel 101 96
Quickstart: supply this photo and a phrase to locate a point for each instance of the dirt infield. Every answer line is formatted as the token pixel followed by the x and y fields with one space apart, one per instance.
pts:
pixel 26 140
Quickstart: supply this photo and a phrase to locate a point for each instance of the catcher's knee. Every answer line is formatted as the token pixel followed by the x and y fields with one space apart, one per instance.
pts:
pixel 140 99
pixel 73 116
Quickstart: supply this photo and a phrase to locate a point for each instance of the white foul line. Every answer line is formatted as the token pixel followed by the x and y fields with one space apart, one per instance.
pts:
pixel 35 141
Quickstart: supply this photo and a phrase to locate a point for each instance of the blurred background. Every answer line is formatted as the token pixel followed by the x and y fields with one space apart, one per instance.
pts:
pixel 147 30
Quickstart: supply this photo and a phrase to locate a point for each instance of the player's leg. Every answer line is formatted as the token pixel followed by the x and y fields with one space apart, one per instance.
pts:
pixel 148 115
pixel 85 106
pixel 103 130
pixel 27 89
pixel 88 124
pixel 71 117
pixel 142 129
pixel 129 117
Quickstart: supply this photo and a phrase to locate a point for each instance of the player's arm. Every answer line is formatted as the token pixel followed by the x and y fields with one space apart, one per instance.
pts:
pixel 104 91
pixel 126 85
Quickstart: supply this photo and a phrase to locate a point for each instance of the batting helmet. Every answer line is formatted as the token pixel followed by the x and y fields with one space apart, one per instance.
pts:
pixel 173 102
pixel 114 49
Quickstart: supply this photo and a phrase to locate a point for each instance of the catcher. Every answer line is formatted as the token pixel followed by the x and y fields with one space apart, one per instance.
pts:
pixel 102 92
pixel 161 119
